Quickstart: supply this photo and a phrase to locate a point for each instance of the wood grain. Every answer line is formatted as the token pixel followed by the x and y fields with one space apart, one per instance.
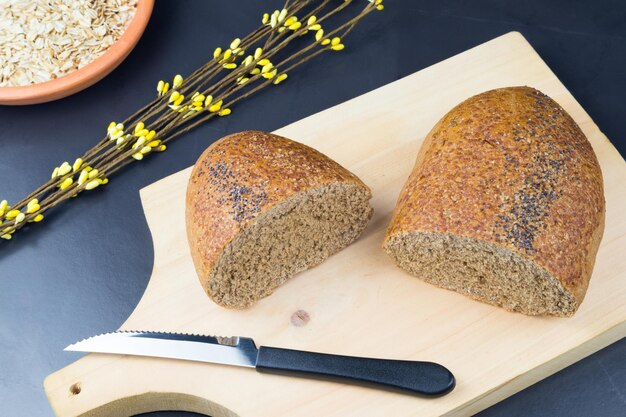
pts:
pixel 359 303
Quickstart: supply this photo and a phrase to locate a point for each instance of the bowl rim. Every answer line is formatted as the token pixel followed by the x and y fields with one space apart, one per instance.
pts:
pixel 88 75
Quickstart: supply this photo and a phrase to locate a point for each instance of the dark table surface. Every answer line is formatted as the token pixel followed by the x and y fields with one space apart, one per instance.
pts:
pixel 82 270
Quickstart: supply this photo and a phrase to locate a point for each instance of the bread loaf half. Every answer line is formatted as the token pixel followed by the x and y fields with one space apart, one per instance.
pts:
pixel 261 208
pixel 505 204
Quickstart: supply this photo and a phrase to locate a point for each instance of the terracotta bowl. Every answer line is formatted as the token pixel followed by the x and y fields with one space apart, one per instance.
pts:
pixel 89 74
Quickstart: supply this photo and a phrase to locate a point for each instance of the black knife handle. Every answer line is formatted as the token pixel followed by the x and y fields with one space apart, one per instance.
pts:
pixel 425 378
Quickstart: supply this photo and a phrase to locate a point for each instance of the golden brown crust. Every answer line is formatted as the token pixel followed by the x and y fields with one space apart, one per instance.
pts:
pixel 510 167
pixel 241 176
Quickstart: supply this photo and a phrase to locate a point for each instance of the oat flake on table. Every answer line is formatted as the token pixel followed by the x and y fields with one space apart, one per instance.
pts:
pixel 41 40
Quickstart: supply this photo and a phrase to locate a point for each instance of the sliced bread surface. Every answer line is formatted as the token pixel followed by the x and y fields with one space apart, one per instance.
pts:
pixel 261 208
pixel 505 204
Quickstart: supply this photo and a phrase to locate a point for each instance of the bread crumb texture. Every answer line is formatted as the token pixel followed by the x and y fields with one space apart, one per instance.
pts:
pixel 261 208
pixel 505 204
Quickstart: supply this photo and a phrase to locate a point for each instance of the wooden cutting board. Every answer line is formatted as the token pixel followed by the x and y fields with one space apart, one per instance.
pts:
pixel 359 303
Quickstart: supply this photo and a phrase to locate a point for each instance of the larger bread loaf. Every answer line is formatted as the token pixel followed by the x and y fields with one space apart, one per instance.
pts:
pixel 505 204
pixel 261 208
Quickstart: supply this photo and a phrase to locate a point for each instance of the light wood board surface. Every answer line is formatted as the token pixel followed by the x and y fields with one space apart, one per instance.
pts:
pixel 358 301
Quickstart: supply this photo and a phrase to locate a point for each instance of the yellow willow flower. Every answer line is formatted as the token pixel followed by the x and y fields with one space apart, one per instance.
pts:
pixel 280 78
pixel 178 81
pixel 65 169
pixel 77 164
pixel 20 218
pixel 319 34
pixel 69 179
pixel 12 214
pixel 139 127
pixel 32 208
pixel 143 132
pixel 174 96
pixel 216 107
pixel 92 184
pixel 137 144
pixel 66 183
pixel 84 175
pixel 271 74
pixel 199 97
pixel 282 15
pixel 150 135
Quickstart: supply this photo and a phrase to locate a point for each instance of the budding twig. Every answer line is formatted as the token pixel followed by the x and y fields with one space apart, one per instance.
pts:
pixel 282 43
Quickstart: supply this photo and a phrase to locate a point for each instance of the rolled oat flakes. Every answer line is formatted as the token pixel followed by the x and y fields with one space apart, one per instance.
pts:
pixel 41 40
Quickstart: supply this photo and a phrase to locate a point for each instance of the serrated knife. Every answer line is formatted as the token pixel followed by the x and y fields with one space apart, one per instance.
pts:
pixel 424 378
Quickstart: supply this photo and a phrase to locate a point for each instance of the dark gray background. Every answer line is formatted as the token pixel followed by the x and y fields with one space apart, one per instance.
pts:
pixel 83 270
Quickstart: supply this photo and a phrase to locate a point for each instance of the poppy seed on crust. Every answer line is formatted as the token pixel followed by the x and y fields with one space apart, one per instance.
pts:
pixel 505 205
pixel 261 208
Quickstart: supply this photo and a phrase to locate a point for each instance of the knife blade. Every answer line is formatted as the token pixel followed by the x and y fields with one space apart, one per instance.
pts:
pixel 422 378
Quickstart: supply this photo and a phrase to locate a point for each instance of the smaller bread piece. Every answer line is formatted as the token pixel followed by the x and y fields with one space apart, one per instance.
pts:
pixel 505 204
pixel 261 208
